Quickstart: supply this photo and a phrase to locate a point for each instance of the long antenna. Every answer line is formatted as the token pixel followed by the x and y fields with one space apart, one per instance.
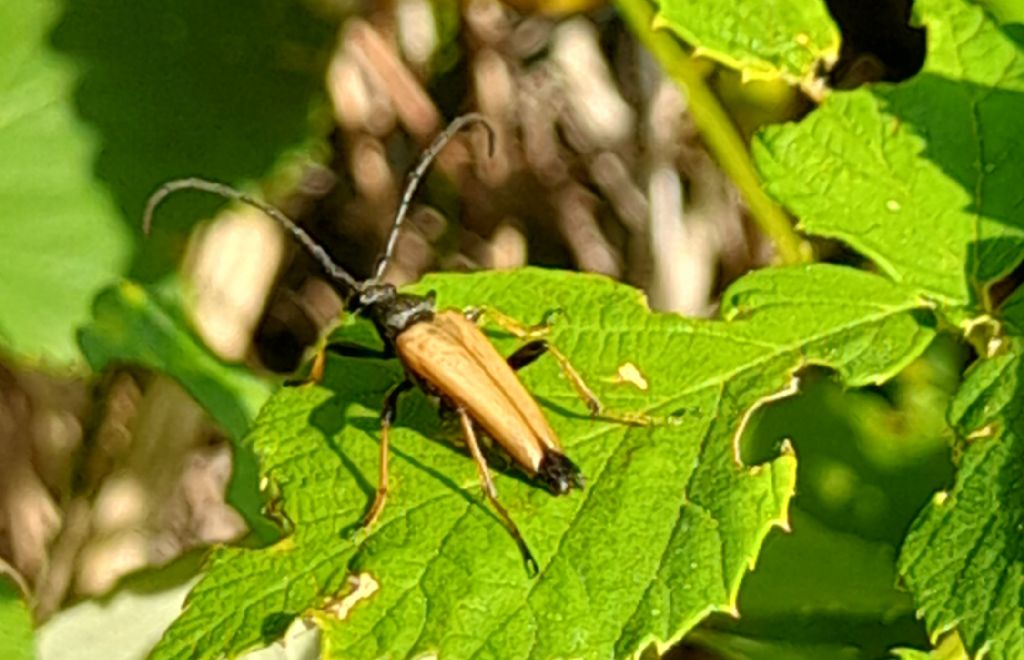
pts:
pixel 413 180
pixel 314 250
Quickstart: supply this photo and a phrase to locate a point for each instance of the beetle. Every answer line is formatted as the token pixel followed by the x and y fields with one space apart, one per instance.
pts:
pixel 444 353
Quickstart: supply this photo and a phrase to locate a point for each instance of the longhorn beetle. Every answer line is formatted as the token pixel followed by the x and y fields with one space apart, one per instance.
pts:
pixel 444 353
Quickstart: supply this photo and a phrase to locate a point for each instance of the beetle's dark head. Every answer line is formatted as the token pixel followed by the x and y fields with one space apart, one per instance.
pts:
pixel 391 311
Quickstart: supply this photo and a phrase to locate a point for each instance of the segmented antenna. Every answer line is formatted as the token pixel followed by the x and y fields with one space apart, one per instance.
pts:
pixel 413 180
pixel 318 253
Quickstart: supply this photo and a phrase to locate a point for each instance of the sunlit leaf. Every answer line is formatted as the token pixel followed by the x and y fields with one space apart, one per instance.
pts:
pixel 662 535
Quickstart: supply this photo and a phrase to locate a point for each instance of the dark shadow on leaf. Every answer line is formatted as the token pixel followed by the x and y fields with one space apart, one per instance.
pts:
pixel 367 382
pixel 871 636
pixel 1015 31
pixel 274 626
pixel 191 88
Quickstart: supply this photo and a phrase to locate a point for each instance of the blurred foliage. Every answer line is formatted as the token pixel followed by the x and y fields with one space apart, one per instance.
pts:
pixel 133 325
pixel 59 239
pixel 106 100
pixel 123 624
pixel 16 641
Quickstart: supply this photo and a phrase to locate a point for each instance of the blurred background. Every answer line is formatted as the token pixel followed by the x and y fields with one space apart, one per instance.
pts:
pixel 321 107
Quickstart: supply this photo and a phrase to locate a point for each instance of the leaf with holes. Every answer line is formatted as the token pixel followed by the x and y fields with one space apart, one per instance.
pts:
pixel 924 177
pixel 667 526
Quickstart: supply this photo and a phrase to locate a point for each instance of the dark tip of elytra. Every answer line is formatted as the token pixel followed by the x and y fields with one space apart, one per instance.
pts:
pixel 559 473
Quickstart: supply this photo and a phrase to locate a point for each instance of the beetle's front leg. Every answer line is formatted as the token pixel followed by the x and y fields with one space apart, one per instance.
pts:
pixel 479 314
pixel 387 417
pixel 316 371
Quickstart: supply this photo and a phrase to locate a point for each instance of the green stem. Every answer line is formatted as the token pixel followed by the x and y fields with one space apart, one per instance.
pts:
pixel 719 133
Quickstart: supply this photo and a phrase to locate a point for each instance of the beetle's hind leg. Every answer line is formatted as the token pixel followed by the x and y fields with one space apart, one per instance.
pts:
pixel 387 417
pixel 529 352
pixel 492 493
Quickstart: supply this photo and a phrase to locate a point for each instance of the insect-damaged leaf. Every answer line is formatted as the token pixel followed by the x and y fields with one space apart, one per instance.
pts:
pixel 923 176
pixel 663 533
pixel 964 558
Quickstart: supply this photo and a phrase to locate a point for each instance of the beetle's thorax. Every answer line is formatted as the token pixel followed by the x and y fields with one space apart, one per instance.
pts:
pixel 392 312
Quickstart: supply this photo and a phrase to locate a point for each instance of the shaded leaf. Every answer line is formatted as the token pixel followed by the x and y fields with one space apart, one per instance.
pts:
pixel 662 535
pixel 824 586
pixel 193 88
pixel 869 460
pixel 923 177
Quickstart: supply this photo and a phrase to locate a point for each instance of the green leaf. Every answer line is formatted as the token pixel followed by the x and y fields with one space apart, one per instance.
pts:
pixel 663 533
pixel 102 102
pixel 923 177
pixel 790 39
pixel 131 326
pixel 60 239
pixel 963 560
pixel 15 624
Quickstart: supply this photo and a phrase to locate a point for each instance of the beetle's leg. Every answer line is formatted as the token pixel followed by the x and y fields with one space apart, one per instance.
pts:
pixel 507 323
pixel 528 353
pixel 316 371
pixel 492 493
pixel 387 416
pixel 536 348
pixel 533 350
pixel 525 355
